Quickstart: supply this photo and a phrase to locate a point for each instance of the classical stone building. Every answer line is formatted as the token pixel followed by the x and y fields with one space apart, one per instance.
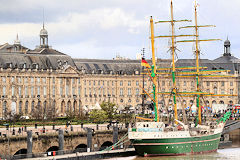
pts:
pixel 47 81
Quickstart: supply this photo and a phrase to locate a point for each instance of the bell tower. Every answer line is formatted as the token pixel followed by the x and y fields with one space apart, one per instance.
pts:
pixel 227 45
pixel 43 38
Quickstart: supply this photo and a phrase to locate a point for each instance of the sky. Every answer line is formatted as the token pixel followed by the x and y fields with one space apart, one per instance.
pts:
pixel 105 28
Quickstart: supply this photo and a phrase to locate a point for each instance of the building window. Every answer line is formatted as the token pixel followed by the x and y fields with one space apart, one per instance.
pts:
pixel 19 80
pixel 231 83
pixel 38 80
pixel 103 83
pixel 3 79
pixel 103 91
pixel 73 90
pixel 215 90
pixel 13 88
pixel 222 91
pixel 98 82
pixel 231 91
pixel 73 80
pixel 94 83
pixel 129 83
pixel 4 90
pixel 32 91
pixel 192 83
pixel 137 91
pixel 89 83
pixel 61 90
pixel 78 80
pixel 184 83
pixel 113 93
pixel 137 83
pixel 32 80
pixel 79 91
pixel 67 90
pixel 19 91
pixel 53 80
pixel 61 81
pixel 129 92
pixel 44 91
pixel 222 84
pixel 44 80
pixel 85 91
pixel 121 83
pixel 208 83
pixel 38 90
pixel 99 91
pixel 20 107
pixel 25 80
pixel 163 83
pixel 53 91
pixel 32 106
pixel 12 79
pixel 121 91
pixel 26 107
pixel 112 83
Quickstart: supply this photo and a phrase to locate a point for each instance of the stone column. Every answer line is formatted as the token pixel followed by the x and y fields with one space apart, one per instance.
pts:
pixel 115 135
pixel 89 139
pixel 60 142
pixel 29 144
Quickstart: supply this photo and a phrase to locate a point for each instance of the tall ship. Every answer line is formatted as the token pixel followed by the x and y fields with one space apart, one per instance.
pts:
pixel 178 135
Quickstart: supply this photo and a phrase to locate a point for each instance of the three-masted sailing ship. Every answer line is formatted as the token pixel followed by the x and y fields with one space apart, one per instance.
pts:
pixel 153 137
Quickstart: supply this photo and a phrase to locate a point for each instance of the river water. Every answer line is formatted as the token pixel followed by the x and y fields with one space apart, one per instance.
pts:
pixel 221 154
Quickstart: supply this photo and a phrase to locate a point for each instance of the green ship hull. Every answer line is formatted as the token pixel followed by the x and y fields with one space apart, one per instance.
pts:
pixel 176 146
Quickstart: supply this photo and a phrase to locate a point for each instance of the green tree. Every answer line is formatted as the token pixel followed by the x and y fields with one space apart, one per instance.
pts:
pixel 110 109
pixel 98 116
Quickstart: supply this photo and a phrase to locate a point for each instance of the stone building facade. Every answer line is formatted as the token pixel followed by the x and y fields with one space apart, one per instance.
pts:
pixel 47 81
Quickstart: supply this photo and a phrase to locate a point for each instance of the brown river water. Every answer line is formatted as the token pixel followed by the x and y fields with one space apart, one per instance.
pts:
pixel 221 154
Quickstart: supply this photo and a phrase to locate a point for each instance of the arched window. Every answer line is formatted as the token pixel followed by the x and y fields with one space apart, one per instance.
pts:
pixel 231 102
pixel 54 106
pixel 62 106
pixel 215 90
pixel 20 107
pixel 44 106
pixel 26 107
pixel 4 107
pixel 32 106
pixel 221 102
pixel 214 102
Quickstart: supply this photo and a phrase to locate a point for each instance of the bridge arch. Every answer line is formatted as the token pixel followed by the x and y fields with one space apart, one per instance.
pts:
pixel 52 148
pixel 81 148
pixel 105 145
pixel 22 153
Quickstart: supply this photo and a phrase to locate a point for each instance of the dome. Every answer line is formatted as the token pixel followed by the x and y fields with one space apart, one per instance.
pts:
pixel 227 43
pixel 43 32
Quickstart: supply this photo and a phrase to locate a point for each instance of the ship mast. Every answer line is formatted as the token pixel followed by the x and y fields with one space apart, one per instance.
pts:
pixel 173 65
pixel 173 48
pixel 153 75
pixel 197 64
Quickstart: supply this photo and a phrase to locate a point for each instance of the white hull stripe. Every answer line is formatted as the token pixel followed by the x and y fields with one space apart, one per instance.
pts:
pixel 175 143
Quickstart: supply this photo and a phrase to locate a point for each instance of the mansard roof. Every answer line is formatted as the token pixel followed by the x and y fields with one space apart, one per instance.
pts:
pixel 44 58
pixel 125 66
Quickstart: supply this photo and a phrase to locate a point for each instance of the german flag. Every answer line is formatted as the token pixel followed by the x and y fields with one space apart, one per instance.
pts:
pixel 145 63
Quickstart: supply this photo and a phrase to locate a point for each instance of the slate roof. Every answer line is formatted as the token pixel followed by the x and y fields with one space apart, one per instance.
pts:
pixel 41 58
pixel 115 66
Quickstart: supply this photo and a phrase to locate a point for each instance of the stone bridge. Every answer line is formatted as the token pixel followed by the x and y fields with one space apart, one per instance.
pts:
pixel 70 142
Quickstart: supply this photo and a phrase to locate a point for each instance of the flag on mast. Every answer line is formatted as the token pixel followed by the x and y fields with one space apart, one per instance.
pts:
pixel 145 63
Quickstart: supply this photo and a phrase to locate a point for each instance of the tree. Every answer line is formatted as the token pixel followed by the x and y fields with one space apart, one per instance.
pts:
pixel 110 109
pixel 98 116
